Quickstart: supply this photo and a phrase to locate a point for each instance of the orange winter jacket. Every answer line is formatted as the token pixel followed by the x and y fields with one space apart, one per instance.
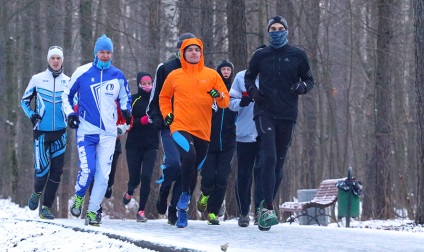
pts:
pixel 189 85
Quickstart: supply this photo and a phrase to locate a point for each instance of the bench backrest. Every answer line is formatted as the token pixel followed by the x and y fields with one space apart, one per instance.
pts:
pixel 327 192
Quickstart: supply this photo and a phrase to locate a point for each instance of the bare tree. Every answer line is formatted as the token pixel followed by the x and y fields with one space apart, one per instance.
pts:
pixel 186 16
pixel 419 88
pixel 309 102
pixel 86 30
pixel 381 182
pixel 154 38
pixel 237 42
pixel 207 31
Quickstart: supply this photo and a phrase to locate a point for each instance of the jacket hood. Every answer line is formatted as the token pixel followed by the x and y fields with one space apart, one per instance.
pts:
pixel 222 64
pixel 139 76
pixel 188 67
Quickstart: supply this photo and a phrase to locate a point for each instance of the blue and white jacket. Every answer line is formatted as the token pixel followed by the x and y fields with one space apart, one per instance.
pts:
pixel 97 91
pixel 48 100
pixel 245 129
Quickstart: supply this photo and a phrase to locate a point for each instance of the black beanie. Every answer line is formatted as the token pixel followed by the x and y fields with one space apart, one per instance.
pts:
pixel 278 19
pixel 140 75
pixel 225 63
pixel 183 37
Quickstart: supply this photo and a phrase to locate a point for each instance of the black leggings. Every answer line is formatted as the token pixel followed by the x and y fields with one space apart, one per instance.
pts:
pixel 193 153
pixel 248 163
pixel 215 173
pixel 49 155
pixel 135 158
pixel 276 138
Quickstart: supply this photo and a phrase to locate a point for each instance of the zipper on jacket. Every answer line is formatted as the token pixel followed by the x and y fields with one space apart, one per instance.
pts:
pixel 274 89
pixel 279 66
pixel 220 132
pixel 54 104
pixel 100 100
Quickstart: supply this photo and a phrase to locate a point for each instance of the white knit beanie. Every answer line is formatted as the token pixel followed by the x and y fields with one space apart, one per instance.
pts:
pixel 55 50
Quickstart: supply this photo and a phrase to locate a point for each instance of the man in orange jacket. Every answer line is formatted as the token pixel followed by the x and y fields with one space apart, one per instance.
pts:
pixel 194 88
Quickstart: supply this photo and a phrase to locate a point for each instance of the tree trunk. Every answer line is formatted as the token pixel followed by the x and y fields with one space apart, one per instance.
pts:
pixel 186 16
pixel 66 189
pixel 55 21
pixel 419 88
pixel 207 32
pixel 154 38
pixel 309 101
pixel 384 208
pixel 113 18
pixel 237 41
pixel 86 31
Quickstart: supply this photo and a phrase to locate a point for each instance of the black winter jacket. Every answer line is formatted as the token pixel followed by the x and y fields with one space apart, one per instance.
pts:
pixel 141 136
pixel 223 134
pixel 278 69
pixel 161 73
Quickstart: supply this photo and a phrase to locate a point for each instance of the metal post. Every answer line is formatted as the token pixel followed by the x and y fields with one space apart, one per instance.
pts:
pixel 349 196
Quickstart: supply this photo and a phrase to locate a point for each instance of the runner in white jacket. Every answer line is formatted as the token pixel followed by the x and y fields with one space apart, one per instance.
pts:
pixel 97 85
pixel 49 125
pixel 248 148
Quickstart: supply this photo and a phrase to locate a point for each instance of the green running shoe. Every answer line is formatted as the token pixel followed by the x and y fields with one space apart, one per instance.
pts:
pixel 212 219
pixel 33 200
pixel 202 204
pixel 267 218
pixel 45 213
pixel 77 205
pixel 91 219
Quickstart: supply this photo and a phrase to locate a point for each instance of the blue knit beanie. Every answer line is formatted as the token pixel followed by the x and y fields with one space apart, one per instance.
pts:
pixel 103 43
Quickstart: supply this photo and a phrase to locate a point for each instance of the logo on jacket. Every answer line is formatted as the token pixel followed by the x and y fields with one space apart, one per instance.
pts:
pixel 110 87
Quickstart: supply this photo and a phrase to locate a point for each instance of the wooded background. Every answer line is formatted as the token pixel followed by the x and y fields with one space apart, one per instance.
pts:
pixel 364 111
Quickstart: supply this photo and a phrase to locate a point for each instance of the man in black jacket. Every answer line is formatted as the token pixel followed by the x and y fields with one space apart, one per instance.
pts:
pixel 171 165
pixel 284 75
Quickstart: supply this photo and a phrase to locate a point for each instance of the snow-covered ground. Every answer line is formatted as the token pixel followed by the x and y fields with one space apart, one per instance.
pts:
pixel 22 230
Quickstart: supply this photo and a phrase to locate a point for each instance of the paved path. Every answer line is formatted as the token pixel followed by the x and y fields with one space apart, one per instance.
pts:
pixel 198 236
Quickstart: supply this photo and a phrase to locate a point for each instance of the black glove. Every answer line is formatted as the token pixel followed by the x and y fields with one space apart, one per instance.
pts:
pixel 157 122
pixel 169 119
pixel 73 121
pixel 127 116
pixel 299 88
pixel 35 118
pixel 245 101
pixel 214 93
pixel 259 97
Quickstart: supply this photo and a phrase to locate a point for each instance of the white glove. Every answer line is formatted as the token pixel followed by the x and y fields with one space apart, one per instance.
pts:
pixel 122 129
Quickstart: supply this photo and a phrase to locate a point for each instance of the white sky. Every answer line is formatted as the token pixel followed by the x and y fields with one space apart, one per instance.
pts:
pixel 22 230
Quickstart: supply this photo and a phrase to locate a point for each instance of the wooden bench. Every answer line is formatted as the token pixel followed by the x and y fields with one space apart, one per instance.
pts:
pixel 326 196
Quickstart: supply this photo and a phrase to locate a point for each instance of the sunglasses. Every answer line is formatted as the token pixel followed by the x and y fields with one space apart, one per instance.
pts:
pixel 55 47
